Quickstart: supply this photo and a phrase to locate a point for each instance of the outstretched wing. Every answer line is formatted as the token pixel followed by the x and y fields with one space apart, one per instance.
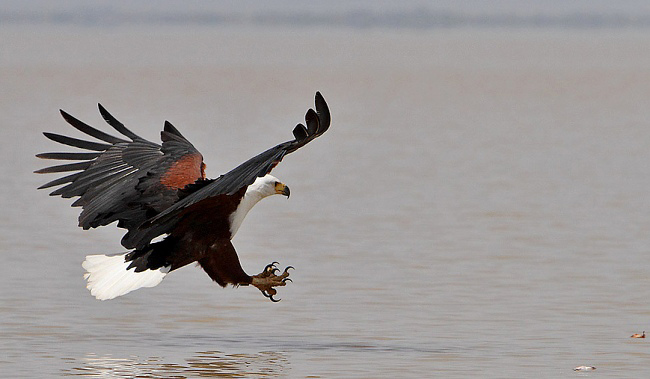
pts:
pixel 201 193
pixel 125 180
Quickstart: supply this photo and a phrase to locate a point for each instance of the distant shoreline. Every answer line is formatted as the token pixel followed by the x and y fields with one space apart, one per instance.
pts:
pixel 417 18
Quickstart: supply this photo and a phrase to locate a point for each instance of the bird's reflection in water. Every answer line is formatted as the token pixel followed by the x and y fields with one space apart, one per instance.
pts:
pixel 205 364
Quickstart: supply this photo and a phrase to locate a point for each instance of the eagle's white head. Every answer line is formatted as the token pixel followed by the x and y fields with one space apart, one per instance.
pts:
pixel 262 187
pixel 267 185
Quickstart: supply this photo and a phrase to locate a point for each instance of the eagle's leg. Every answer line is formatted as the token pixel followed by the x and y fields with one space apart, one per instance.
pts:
pixel 268 278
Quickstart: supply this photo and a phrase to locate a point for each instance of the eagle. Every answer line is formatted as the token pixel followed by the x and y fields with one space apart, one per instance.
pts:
pixel 173 214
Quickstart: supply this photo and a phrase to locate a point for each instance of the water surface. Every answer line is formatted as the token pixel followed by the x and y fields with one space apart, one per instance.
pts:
pixel 479 206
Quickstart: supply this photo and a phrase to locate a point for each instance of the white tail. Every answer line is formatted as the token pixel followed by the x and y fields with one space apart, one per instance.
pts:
pixel 108 277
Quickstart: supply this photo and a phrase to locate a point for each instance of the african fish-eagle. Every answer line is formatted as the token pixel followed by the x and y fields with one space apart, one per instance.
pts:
pixel 173 214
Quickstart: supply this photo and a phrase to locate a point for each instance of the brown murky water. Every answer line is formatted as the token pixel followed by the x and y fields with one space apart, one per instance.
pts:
pixel 480 206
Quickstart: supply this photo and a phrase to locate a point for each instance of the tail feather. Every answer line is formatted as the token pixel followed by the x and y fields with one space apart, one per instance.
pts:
pixel 108 277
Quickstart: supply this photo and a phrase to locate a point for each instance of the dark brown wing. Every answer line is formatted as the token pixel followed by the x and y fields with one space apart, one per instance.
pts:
pixel 242 176
pixel 124 180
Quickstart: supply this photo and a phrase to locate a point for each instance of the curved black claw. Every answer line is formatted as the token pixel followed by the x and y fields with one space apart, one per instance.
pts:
pixel 271 267
pixel 287 280
pixel 269 296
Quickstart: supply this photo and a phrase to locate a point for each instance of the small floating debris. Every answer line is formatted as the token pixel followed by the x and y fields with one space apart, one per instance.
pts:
pixel 637 335
pixel 584 368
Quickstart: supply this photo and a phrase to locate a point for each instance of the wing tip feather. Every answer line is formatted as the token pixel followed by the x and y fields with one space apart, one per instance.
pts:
pixel 300 132
pixel 311 119
pixel 322 109
pixel 116 124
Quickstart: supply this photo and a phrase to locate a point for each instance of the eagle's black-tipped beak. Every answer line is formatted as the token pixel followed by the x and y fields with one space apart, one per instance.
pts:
pixel 282 189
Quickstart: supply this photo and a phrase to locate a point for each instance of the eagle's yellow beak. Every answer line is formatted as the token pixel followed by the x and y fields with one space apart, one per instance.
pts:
pixel 282 189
